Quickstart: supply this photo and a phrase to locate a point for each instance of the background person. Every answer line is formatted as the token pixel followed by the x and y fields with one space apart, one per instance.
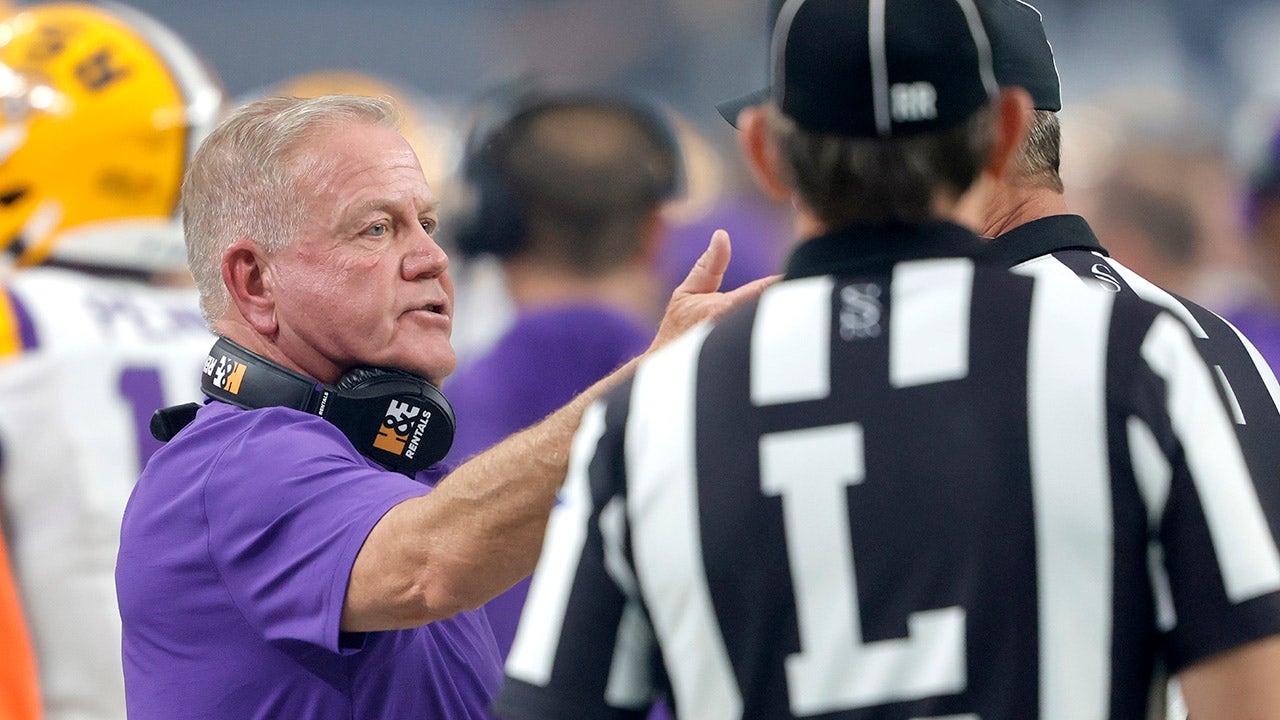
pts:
pixel 1034 231
pixel 570 191
pixel 819 505
pixel 98 323
pixel 272 564
pixel 1155 207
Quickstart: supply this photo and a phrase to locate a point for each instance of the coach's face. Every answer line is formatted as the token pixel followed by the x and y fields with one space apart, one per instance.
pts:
pixel 365 283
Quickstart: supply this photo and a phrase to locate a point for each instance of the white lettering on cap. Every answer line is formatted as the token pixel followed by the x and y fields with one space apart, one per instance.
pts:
pixel 911 102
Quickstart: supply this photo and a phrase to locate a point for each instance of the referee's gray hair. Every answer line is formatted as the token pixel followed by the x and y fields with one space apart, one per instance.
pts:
pixel 1039 159
pixel 246 177
pixel 847 180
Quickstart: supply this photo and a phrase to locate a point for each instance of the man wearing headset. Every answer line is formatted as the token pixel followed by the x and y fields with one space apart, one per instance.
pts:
pixel 271 564
pixel 569 191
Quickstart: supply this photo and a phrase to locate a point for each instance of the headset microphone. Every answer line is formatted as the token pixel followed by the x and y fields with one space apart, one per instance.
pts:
pixel 394 418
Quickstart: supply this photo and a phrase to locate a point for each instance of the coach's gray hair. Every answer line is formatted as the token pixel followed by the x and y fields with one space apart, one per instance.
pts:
pixel 1040 157
pixel 847 180
pixel 245 178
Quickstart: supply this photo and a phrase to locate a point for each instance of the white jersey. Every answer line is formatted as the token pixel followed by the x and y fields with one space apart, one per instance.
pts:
pixel 84 362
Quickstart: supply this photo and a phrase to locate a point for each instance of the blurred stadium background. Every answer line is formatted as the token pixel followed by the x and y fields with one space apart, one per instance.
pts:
pixel 1220 55
pixel 1168 103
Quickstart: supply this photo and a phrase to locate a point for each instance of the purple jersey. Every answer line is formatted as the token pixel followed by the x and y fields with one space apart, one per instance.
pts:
pixel 236 549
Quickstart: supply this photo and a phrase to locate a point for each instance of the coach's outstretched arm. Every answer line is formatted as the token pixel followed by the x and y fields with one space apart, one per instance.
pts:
pixel 481 529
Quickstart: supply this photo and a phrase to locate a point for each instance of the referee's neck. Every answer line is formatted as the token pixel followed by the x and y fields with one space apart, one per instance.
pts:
pixel 1015 203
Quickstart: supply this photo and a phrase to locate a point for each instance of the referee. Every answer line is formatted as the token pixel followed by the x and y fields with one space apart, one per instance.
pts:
pixel 1034 232
pixel 905 484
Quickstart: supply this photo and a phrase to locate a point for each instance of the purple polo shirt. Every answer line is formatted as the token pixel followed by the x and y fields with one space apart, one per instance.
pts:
pixel 236 548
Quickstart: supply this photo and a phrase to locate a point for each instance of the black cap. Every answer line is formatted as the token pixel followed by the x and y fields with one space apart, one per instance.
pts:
pixel 1021 52
pixel 1011 31
pixel 729 109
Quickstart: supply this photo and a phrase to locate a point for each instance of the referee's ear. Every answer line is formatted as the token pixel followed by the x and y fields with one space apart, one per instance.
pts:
pixel 1014 114
pixel 761 153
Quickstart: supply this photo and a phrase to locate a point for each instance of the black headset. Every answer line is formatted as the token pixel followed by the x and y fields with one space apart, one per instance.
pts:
pixel 493 224
pixel 398 420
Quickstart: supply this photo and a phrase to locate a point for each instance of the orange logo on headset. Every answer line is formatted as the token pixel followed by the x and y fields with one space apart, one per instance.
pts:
pixel 228 374
pixel 394 432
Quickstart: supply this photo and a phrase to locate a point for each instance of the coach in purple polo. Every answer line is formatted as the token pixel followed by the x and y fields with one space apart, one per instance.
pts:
pixel 270 569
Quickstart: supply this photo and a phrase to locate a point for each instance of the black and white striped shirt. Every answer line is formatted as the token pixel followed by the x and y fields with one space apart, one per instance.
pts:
pixel 908 485
pixel 1247 383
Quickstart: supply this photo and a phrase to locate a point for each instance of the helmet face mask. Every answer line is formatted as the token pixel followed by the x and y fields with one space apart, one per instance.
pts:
pixel 101 109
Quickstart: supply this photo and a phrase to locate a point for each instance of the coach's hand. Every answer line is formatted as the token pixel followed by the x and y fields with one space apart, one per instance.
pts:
pixel 696 299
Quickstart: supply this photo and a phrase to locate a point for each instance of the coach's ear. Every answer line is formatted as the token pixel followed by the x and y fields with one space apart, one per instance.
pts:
pixel 247 277
pixel 761 153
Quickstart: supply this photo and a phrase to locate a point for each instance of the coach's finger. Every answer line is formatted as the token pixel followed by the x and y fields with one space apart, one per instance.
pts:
pixel 708 272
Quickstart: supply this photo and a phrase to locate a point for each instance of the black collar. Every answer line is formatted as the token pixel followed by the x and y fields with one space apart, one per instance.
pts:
pixel 870 248
pixel 1042 237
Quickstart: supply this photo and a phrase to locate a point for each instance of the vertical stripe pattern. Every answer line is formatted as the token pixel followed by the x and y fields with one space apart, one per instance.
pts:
pixel 868 443
pixel 929 322
pixel 879 67
pixel 1247 554
pixel 837 668
pixel 1237 415
pixel 1071 496
pixel 796 314
pixel 1153 474
pixel 663 509
pixel 1045 266
pixel 630 682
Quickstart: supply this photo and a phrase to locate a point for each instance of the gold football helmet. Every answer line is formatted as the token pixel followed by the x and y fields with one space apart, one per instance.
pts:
pixel 100 109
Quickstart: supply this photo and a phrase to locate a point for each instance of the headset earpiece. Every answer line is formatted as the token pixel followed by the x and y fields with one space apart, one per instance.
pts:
pixel 493 225
pixel 394 418
pixel 413 418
